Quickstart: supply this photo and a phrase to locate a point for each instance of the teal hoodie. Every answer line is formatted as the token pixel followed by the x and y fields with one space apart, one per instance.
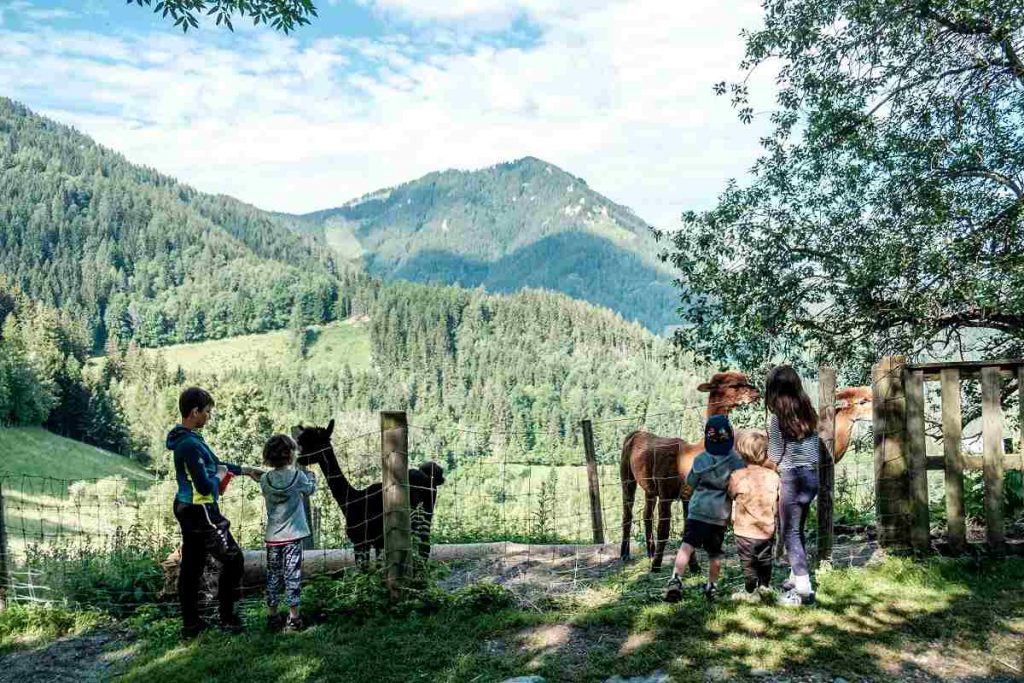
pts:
pixel 195 467
pixel 709 479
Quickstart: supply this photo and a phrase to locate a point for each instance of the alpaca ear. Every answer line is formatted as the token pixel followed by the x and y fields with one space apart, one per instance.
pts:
pixel 297 432
pixel 705 387
pixel 330 427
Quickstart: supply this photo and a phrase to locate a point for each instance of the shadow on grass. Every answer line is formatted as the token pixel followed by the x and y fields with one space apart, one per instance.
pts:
pixel 933 620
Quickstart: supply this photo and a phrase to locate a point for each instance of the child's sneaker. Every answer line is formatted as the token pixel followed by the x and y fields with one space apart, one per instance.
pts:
pixel 673 591
pixel 275 621
pixel 710 592
pixel 293 624
pixel 794 599
pixel 744 596
pixel 767 595
pixel 230 623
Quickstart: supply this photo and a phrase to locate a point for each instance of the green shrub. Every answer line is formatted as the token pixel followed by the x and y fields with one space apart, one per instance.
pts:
pixel 114 576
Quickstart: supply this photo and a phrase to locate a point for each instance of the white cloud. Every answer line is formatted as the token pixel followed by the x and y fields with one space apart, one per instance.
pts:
pixel 620 95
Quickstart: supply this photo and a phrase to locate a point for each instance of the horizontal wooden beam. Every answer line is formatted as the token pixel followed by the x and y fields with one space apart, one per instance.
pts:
pixel 1013 461
pixel 968 369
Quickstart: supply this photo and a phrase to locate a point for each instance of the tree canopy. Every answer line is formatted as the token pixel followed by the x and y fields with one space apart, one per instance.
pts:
pixel 885 213
pixel 281 15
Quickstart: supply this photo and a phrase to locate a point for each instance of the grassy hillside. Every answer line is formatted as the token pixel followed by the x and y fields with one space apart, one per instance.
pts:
pixel 36 452
pixel 331 347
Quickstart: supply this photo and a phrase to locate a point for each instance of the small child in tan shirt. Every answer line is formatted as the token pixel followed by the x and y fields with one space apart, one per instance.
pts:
pixel 755 493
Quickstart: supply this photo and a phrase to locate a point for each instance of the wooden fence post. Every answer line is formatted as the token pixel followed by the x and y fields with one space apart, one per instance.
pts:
pixel 596 520
pixel 826 462
pixel 891 467
pixel 917 459
pixel 394 451
pixel 4 569
pixel 992 439
pixel 952 426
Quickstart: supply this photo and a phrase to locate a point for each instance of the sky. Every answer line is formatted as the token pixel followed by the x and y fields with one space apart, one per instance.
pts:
pixel 378 92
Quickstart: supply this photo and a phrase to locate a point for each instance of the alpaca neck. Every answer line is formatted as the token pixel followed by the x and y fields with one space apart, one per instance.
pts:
pixel 342 491
pixel 717 408
pixel 844 434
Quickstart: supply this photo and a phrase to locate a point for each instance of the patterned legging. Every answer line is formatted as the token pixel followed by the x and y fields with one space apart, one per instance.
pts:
pixel 284 570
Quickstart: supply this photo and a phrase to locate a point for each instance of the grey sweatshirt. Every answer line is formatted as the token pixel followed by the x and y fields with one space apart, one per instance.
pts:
pixel 283 490
pixel 709 478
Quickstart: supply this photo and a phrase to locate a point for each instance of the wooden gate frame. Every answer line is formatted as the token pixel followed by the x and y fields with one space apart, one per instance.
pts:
pixel 902 464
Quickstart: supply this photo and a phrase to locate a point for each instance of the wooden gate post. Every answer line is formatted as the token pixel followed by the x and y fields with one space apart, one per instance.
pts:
pixel 4 568
pixel 394 452
pixel 917 460
pixel 826 462
pixel 891 459
pixel 953 465
pixel 596 519
pixel 992 464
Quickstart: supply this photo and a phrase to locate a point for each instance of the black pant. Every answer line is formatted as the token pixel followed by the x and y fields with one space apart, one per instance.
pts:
pixel 204 531
pixel 756 559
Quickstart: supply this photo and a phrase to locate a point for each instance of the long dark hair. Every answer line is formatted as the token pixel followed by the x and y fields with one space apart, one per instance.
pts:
pixel 786 399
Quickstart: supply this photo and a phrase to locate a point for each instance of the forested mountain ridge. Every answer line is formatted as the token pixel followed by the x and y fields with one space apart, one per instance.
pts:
pixel 137 255
pixel 516 225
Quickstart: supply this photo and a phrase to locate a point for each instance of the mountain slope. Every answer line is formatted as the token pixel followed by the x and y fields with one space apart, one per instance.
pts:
pixel 136 254
pixel 521 224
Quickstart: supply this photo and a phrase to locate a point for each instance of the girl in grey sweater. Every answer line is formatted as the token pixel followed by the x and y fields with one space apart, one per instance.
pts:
pixel 283 488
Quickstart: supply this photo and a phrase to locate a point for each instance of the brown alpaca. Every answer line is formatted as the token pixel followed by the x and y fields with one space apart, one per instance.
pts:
pixel 659 464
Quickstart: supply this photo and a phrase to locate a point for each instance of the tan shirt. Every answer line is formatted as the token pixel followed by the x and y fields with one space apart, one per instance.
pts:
pixel 755 492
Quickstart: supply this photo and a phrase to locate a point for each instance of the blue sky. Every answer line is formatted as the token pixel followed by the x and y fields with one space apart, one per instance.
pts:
pixel 376 92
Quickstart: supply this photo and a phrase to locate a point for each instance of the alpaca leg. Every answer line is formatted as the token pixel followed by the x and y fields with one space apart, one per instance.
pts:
pixel 664 527
pixel 694 565
pixel 649 502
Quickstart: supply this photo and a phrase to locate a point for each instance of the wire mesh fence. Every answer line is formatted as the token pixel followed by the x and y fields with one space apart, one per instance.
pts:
pixel 500 514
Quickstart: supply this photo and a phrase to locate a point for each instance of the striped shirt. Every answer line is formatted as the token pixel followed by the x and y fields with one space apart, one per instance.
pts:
pixel 789 454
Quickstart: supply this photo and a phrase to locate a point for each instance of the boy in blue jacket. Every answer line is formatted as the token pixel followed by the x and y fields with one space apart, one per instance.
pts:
pixel 710 506
pixel 204 530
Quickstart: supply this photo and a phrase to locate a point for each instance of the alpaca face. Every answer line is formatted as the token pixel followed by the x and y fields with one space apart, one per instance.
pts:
pixel 313 439
pixel 728 390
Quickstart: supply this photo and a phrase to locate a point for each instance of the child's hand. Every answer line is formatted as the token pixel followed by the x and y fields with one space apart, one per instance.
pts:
pixel 253 473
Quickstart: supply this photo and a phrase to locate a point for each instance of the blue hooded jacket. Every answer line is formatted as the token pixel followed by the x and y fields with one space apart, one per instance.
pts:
pixel 195 467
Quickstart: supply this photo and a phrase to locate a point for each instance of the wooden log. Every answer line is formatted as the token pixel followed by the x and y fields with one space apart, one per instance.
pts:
pixel 596 518
pixel 826 462
pixel 992 444
pixel 917 460
pixel 891 466
pixel 394 452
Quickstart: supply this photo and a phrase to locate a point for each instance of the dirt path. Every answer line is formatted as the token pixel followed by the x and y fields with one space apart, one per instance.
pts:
pixel 86 658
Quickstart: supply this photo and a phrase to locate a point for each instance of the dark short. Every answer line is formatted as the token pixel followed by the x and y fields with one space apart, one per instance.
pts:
pixel 707 537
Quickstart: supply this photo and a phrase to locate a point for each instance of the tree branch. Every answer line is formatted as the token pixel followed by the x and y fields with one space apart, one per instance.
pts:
pixel 978 172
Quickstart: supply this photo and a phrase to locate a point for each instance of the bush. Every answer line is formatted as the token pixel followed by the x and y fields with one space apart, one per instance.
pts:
pixel 115 576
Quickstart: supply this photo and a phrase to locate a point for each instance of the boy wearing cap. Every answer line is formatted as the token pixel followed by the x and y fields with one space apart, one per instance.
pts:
pixel 710 506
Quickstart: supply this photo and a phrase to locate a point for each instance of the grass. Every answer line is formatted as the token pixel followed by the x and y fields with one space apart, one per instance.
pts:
pixel 58 488
pixel 333 345
pixel 935 618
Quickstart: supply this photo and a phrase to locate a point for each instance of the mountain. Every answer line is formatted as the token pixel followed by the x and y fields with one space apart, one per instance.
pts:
pixel 523 224
pixel 137 255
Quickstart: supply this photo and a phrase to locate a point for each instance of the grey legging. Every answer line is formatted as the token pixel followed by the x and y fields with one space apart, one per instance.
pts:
pixel 799 487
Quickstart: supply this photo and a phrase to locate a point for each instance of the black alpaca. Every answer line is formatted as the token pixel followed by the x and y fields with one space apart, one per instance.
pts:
pixel 364 508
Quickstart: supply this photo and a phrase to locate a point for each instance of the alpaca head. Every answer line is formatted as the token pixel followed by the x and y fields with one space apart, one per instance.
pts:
pixel 726 390
pixel 855 403
pixel 434 471
pixel 313 440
